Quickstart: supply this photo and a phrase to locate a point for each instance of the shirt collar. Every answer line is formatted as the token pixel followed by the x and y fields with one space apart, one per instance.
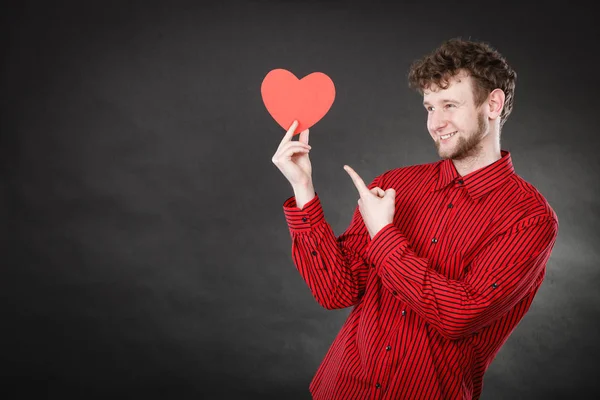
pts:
pixel 478 182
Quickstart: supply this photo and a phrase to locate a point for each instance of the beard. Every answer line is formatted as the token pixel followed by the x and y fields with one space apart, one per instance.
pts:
pixel 466 146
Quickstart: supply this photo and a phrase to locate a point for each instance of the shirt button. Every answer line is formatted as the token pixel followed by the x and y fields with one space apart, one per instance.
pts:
pixel 314 253
pixel 388 348
pixel 460 181
pixel 403 312
pixel 304 219
pixel 494 285
pixel 434 240
pixel 450 205
pixel 378 385
pixel 394 293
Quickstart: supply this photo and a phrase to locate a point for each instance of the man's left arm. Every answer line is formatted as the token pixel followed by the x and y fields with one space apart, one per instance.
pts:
pixel 500 275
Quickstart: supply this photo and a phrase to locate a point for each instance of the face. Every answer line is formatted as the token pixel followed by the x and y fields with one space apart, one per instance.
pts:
pixel 452 111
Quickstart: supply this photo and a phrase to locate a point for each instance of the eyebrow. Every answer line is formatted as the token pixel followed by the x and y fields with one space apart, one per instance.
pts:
pixel 426 103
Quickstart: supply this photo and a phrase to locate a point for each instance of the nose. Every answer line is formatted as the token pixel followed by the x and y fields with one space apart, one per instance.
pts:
pixel 437 121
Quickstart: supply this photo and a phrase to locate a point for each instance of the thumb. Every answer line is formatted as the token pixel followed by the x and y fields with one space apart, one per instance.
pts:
pixel 390 192
pixel 377 191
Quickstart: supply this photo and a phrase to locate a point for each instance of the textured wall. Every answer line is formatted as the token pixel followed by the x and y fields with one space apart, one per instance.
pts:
pixel 145 247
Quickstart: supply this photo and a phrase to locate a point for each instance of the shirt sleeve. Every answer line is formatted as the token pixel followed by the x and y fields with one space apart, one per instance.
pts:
pixel 334 268
pixel 498 277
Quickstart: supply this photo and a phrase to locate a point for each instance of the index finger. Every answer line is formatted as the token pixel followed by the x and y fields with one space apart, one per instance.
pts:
pixel 358 182
pixel 290 132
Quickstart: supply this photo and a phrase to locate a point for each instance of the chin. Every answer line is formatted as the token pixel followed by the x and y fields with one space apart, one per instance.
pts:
pixel 445 152
pixel 446 156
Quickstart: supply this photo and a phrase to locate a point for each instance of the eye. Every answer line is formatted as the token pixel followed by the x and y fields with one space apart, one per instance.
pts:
pixel 450 105
pixel 429 108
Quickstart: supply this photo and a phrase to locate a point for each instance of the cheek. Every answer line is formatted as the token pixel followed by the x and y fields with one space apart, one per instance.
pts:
pixel 457 121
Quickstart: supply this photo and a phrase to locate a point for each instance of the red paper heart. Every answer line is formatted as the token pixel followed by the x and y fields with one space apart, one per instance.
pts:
pixel 287 98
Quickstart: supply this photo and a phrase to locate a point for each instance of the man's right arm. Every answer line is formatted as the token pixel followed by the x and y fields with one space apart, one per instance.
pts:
pixel 334 268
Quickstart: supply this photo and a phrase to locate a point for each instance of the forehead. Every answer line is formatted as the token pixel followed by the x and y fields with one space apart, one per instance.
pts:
pixel 459 88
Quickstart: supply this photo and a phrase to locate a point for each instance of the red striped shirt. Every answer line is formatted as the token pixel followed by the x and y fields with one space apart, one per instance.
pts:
pixel 436 293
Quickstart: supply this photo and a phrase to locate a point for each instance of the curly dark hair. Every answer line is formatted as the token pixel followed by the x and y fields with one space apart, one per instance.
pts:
pixel 482 62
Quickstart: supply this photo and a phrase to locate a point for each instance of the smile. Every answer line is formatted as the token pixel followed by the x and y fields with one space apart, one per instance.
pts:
pixel 448 136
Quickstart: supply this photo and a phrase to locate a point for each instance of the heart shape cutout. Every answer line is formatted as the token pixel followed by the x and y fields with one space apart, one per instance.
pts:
pixel 288 98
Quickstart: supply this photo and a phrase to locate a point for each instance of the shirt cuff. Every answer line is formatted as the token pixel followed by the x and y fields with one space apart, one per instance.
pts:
pixel 301 220
pixel 384 243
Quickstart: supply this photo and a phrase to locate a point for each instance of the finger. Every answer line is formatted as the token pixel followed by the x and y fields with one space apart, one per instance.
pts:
pixel 358 182
pixel 294 153
pixel 391 193
pixel 288 150
pixel 304 136
pixel 294 144
pixel 377 191
pixel 290 133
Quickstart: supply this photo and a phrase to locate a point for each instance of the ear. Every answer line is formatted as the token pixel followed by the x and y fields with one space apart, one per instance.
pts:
pixel 495 103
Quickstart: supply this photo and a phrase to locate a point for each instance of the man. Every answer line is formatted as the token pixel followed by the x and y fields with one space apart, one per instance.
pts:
pixel 441 260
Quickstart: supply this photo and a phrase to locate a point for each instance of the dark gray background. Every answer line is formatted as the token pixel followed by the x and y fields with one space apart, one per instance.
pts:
pixel 145 250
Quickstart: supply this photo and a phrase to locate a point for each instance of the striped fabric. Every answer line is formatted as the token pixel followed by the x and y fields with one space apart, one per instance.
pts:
pixel 436 293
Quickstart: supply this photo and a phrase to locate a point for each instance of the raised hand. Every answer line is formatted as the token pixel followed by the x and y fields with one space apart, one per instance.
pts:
pixel 292 159
pixel 376 206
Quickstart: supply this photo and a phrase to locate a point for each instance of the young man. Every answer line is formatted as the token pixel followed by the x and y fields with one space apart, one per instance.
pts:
pixel 442 260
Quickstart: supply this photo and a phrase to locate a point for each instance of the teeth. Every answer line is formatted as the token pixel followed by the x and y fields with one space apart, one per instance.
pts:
pixel 447 136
